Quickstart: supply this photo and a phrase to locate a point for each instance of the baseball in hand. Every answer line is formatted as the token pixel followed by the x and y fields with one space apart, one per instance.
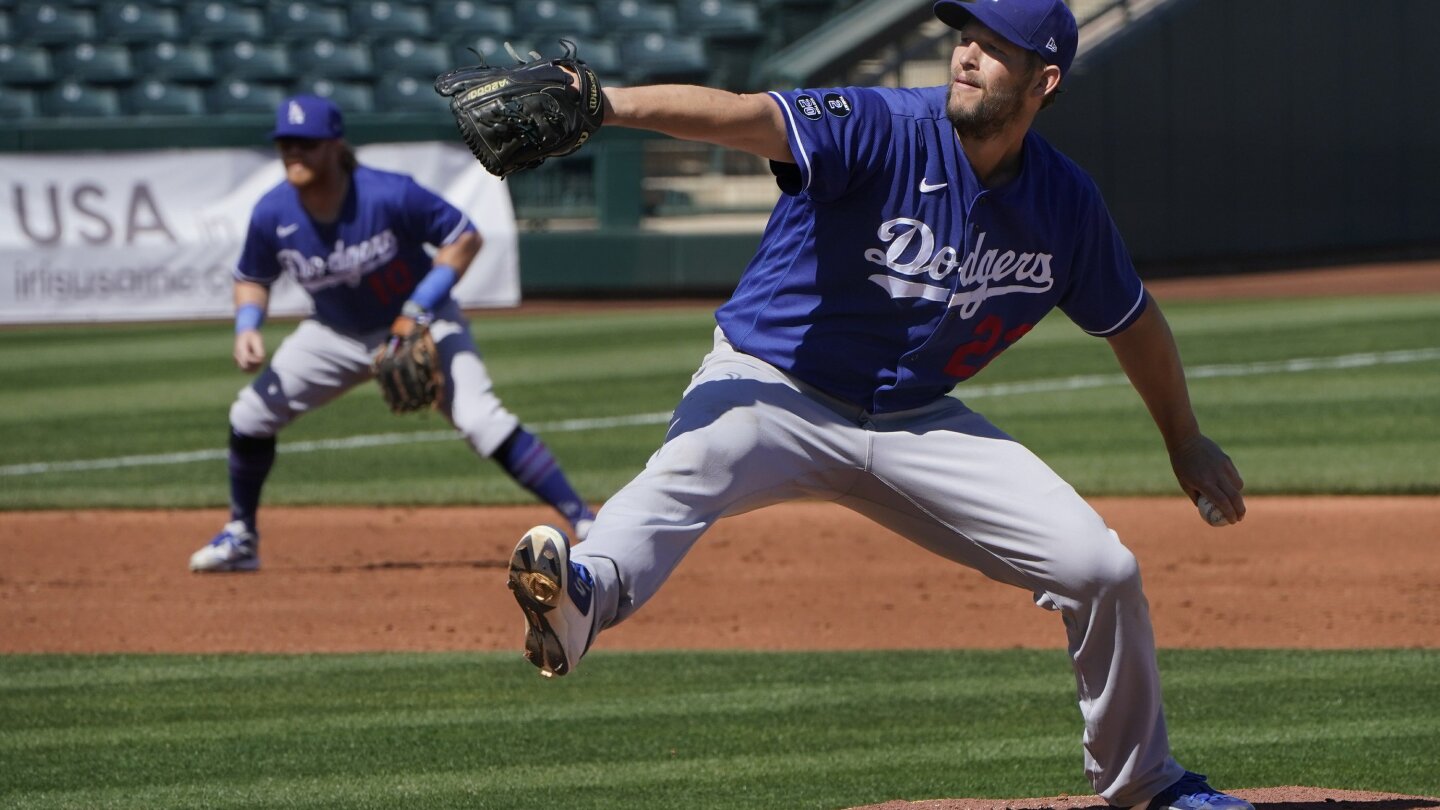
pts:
pixel 1211 512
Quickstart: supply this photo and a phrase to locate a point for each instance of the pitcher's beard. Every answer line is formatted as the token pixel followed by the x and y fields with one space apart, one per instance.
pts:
pixel 986 119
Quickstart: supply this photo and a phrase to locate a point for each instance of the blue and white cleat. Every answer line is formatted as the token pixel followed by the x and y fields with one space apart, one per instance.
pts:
pixel 1192 792
pixel 557 597
pixel 235 548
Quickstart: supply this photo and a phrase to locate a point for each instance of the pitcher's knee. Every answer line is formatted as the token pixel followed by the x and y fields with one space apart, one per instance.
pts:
pixel 1107 568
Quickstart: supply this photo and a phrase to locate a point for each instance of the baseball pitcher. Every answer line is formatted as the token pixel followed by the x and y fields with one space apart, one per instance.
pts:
pixel 921 233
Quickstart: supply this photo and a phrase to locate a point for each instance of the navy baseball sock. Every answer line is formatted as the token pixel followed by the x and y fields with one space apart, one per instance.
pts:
pixel 530 463
pixel 250 461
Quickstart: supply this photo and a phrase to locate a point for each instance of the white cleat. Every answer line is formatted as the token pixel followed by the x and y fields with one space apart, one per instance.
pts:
pixel 235 548
pixel 557 597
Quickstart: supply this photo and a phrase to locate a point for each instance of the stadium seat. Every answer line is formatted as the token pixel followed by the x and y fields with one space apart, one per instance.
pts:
pixel 634 16
pixel 406 94
pixel 52 24
pixel 716 18
pixel 214 21
pixel 491 49
pixel 252 61
pixel 600 54
pixel 656 57
pixel 18 103
pixel 467 20
pixel 137 23
pixel 177 62
pixel 307 21
pixel 74 100
pixel 411 57
pixel 351 97
pixel 25 64
pixel 550 18
pixel 241 97
pixel 94 64
pixel 384 19
pixel 326 58
pixel 162 98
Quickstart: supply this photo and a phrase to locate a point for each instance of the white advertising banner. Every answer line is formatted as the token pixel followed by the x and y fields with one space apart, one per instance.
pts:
pixel 127 236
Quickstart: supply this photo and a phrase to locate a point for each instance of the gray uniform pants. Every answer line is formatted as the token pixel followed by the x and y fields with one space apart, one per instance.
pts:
pixel 316 364
pixel 746 435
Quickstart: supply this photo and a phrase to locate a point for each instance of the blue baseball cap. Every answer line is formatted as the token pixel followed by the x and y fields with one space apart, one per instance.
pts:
pixel 1044 26
pixel 308 117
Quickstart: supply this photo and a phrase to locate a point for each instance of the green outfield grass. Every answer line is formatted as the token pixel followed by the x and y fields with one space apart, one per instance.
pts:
pixel 666 730
pixel 71 394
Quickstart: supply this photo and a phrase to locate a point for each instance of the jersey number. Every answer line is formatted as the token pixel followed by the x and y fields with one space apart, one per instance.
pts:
pixel 993 338
pixel 391 281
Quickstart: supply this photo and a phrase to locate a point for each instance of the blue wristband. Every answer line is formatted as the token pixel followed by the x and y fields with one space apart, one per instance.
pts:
pixel 434 286
pixel 249 316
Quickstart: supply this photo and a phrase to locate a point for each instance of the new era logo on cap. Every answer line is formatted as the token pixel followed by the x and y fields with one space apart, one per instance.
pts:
pixel 1044 26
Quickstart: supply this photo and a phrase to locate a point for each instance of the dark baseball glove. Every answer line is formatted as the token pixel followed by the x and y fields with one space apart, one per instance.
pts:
pixel 407 367
pixel 514 118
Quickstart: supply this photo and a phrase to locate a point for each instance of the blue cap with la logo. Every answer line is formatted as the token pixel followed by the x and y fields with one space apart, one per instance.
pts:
pixel 1044 26
pixel 308 117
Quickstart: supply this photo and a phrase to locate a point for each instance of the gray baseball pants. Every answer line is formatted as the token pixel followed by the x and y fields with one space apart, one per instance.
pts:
pixel 746 435
pixel 316 364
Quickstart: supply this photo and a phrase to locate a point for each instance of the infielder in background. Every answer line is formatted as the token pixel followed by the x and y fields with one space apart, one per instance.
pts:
pixel 354 238
pixel 921 232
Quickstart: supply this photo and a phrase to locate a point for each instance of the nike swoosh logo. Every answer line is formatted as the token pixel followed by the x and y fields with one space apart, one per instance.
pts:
pixel 926 188
pixel 285 230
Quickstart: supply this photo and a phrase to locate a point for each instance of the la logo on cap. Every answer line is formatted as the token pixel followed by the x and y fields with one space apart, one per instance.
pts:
pixel 297 113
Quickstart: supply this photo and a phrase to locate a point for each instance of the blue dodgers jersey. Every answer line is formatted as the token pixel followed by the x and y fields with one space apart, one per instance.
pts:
pixel 360 269
pixel 887 274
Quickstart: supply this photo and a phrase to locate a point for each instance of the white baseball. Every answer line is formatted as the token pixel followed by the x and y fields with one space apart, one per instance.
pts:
pixel 1211 512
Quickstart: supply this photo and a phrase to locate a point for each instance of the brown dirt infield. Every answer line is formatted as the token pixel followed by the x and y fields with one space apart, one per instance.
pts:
pixel 1330 572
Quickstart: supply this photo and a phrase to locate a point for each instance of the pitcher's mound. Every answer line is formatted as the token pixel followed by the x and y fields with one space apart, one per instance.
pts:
pixel 1275 798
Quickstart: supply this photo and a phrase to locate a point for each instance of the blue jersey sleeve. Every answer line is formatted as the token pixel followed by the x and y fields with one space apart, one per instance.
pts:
pixel 258 262
pixel 426 217
pixel 1105 294
pixel 838 136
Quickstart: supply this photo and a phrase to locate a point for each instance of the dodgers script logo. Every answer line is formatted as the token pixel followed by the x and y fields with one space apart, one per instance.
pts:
pixel 984 274
pixel 345 264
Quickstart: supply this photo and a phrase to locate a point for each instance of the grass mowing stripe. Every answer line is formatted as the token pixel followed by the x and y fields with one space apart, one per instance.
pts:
pixel 1074 383
pixel 128 732
pixel 700 782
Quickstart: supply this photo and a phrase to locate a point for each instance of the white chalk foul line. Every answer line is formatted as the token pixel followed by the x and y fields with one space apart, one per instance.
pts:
pixel 350 443
pixel 1294 366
